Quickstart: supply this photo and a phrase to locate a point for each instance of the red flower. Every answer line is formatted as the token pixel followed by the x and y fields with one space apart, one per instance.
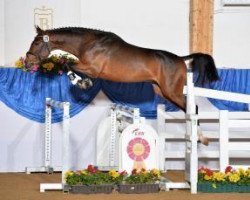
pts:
pixel 134 171
pixel 143 170
pixel 228 169
pixel 209 172
pixel 123 173
pixel 201 170
pixel 91 169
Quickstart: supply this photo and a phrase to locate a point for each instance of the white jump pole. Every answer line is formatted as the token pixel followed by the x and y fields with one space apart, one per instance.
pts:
pixel 65 147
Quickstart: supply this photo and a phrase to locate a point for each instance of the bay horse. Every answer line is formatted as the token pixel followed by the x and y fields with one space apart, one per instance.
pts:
pixel 107 56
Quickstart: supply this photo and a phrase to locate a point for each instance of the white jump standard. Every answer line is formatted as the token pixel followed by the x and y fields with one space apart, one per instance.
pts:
pixel 191 155
pixel 109 132
pixel 47 144
pixel 65 106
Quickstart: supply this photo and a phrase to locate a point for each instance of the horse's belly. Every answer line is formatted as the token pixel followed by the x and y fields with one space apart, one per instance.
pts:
pixel 126 77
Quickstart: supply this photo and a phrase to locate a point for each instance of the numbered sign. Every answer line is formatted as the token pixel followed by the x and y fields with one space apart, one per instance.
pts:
pixel 138 148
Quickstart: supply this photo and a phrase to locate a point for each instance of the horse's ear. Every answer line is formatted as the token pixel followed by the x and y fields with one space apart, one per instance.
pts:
pixel 39 31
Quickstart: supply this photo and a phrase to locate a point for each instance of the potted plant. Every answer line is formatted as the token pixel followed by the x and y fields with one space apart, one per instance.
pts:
pixel 142 181
pixel 89 181
pixel 232 180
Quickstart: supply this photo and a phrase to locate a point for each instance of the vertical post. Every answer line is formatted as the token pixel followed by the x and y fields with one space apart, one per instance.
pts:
pixel 191 156
pixel 201 26
pixel 224 140
pixel 66 145
pixel 190 99
pixel 161 130
pixel 47 135
pixel 112 137
pixel 136 116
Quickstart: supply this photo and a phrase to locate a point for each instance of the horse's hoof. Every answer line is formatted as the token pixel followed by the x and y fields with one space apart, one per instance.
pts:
pixel 88 82
pixel 81 84
pixel 203 140
pixel 84 84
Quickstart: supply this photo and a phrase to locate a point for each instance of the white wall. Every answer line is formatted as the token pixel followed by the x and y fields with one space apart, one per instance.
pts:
pixel 22 140
pixel 231 36
pixel 1 32
pixel 161 24
pixel 19 23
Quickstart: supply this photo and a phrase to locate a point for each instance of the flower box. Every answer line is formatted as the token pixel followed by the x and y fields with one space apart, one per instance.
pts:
pixel 91 189
pixel 222 188
pixel 138 188
pixel 92 181
pixel 232 180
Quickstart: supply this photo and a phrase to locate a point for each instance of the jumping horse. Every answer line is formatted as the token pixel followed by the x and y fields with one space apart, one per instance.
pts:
pixel 107 56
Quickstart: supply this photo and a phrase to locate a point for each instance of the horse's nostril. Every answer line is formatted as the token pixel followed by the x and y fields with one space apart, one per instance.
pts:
pixel 30 58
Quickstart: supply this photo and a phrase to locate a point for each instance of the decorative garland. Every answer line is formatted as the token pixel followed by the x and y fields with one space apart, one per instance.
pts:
pixel 55 64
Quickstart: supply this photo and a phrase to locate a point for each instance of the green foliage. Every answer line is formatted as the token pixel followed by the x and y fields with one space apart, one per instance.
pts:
pixel 92 176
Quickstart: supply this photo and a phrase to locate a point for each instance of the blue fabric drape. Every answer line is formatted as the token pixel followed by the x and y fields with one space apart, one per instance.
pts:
pixel 26 92
pixel 232 80
pixel 140 95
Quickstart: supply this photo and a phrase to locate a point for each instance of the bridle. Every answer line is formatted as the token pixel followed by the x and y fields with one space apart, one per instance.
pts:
pixel 45 45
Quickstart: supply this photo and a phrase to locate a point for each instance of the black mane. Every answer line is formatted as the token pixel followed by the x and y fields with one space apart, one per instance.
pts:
pixel 81 30
pixel 73 30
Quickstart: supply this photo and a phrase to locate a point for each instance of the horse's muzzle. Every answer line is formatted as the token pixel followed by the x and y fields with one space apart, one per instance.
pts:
pixel 31 58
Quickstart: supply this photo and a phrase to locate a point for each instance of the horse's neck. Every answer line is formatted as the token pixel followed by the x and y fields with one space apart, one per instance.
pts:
pixel 67 43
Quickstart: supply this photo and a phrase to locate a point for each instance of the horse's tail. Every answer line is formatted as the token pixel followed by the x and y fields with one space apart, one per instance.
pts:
pixel 204 65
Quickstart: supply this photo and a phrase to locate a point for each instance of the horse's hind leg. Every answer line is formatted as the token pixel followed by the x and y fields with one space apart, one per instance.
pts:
pixel 204 140
pixel 175 95
pixel 178 101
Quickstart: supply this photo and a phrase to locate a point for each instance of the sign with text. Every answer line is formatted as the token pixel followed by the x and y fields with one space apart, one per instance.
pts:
pixel 139 148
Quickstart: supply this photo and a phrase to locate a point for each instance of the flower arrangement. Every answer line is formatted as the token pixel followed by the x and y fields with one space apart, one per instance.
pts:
pixel 141 177
pixel 92 176
pixel 230 176
pixel 89 176
pixel 54 64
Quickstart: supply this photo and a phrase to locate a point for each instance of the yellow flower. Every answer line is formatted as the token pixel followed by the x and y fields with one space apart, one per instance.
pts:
pixel 49 66
pixel 113 173
pixel 248 172
pixel 54 58
pixel 234 178
pixel 156 173
pixel 19 64
pixel 242 172
pixel 218 176
pixel 69 173
pixel 207 178
pixel 84 172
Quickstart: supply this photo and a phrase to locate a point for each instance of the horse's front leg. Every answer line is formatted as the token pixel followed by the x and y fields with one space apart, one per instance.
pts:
pixel 77 80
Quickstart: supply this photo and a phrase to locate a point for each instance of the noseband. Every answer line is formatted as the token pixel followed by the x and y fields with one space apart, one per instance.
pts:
pixel 45 45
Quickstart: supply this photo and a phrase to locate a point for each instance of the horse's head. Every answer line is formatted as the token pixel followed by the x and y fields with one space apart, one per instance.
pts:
pixel 40 47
